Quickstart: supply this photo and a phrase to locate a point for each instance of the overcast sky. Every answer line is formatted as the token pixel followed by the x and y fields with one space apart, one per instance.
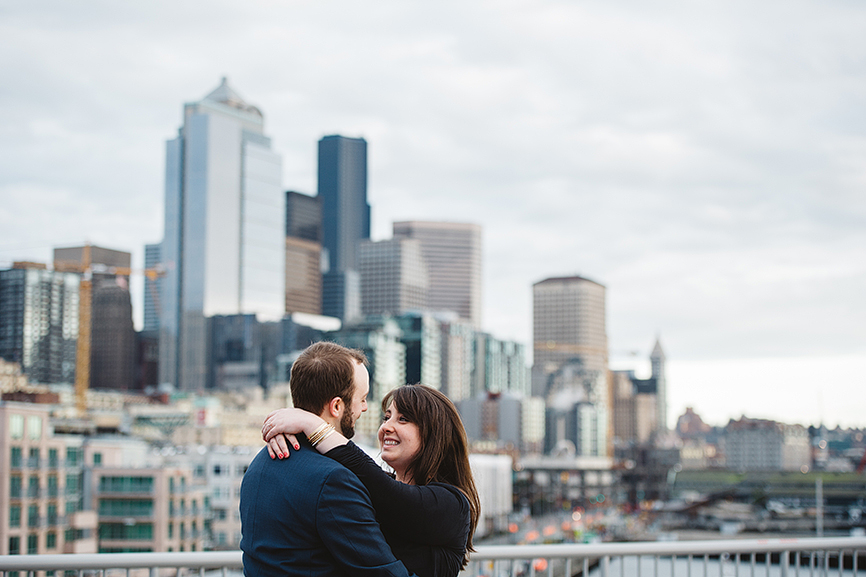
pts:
pixel 705 161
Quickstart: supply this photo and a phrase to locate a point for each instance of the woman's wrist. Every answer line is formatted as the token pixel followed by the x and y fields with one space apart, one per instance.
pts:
pixel 312 423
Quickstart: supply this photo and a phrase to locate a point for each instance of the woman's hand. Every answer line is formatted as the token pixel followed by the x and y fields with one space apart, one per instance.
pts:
pixel 281 426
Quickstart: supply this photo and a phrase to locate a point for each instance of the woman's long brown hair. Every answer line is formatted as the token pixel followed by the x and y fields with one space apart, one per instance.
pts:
pixel 444 454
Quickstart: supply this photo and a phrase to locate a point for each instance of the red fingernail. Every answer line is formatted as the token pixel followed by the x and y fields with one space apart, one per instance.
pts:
pixel 280 455
pixel 297 447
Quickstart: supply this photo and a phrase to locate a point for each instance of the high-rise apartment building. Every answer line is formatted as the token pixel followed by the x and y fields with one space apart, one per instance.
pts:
pixel 303 253
pixel 342 184
pixel 452 252
pixel 112 333
pixel 39 321
pixel 224 245
pixel 393 276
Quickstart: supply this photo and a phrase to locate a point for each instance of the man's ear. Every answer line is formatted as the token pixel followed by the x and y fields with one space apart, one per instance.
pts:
pixel 335 407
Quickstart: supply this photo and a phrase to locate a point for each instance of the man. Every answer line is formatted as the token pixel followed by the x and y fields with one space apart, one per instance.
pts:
pixel 309 515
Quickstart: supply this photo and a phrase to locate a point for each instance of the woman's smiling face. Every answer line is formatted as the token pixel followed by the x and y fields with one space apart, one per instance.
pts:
pixel 399 440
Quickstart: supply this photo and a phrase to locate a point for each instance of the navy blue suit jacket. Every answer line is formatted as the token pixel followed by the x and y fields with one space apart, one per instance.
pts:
pixel 308 515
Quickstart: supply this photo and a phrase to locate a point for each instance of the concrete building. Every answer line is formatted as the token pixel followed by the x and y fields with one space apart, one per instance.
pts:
pixel 218 471
pixel 452 252
pixel 39 321
pixel 41 478
pixel 112 333
pixel 393 277
pixel 571 362
pixel 634 409
pixel 224 245
pixel 504 420
pixel 303 253
pixel 456 348
pixel 763 445
pixel 568 326
pixel 342 187
pixel 143 504
pixel 493 479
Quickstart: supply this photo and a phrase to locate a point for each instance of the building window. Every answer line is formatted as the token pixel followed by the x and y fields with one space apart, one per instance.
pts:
pixel 33 460
pixel 171 530
pixel 15 487
pixel 52 514
pixel 14 545
pixel 33 516
pixel 52 485
pixel 71 484
pixel 17 458
pixel 33 487
pixel 16 426
pixel 73 456
pixel 53 460
pixel 34 428
pixel 15 516
pixel 32 544
pixel 97 459
pixel 51 540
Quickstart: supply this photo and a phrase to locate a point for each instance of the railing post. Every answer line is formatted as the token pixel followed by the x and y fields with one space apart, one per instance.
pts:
pixel 605 566
pixel 785 563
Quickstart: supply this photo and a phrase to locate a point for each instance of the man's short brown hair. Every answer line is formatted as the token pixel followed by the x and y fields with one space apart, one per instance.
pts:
pixel 323 371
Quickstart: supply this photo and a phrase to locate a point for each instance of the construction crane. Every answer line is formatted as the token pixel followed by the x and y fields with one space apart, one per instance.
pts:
pixel 86 268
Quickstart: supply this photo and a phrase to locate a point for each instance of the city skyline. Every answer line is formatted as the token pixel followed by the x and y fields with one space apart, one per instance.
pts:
pixel 704 163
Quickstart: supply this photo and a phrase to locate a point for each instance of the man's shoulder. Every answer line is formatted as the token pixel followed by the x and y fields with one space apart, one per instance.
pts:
pixel 303 461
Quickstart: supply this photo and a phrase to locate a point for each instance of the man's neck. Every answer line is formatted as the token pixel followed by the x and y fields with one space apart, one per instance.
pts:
pixel 326 416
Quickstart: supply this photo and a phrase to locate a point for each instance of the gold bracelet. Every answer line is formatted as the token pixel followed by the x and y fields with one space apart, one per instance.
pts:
pixel 317 434
pixel 324 436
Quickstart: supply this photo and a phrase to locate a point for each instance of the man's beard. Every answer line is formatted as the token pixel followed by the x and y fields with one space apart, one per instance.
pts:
pixel 347 424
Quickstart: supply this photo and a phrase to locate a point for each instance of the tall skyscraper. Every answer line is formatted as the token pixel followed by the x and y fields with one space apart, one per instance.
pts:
pixel 224 245
pixel 345 220
pixel 570 370
pixel 452 251
pixel 152 258
pixel 393 277
pixel 112 334
pixel 303 253
pixel 657 361
pixel 568 325
pixel 39 321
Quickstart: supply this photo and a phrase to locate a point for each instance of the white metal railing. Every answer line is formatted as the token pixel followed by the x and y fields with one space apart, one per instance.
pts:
pixel 828 557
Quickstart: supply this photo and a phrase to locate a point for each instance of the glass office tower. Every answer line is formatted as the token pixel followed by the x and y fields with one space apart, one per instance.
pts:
pixel 224 241
pixel 345 221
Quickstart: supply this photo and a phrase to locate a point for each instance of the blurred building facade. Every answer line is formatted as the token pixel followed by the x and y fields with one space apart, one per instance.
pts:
pixel 303 253
pixel 393 276
pixel 453 254
pixel 39 321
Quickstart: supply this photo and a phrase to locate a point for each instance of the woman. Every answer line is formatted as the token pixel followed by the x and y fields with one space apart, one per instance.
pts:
pixel 429 509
